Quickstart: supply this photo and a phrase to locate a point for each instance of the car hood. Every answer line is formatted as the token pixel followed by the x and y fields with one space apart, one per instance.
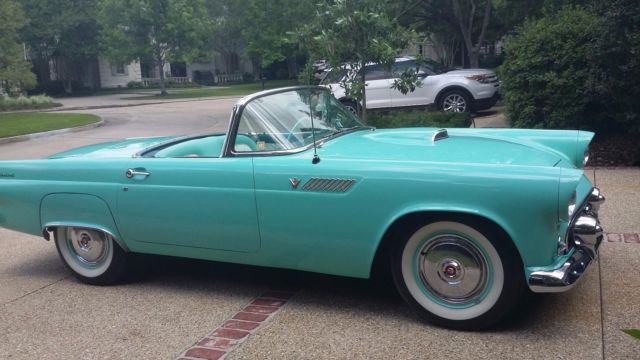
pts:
pixel 113 149
pixel 461 146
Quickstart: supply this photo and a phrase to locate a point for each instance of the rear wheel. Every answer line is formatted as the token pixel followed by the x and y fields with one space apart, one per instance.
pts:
pixel 455 101
pixel 457 275
pixel 92 255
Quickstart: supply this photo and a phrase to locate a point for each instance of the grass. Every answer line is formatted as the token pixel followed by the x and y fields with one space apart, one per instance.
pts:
pixel 14 124
pixel 418 118
pixel 27 103
pixel 231 90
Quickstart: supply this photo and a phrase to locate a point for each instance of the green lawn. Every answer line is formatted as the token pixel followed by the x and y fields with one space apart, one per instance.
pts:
pixel 14 124
pixel 231 90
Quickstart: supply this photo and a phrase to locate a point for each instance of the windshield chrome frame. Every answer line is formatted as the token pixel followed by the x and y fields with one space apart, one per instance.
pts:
pixel 236 114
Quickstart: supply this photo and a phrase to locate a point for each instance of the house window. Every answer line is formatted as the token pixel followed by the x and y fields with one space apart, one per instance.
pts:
pixel 119 69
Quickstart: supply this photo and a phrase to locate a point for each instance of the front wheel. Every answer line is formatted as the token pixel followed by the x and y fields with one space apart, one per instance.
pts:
pixel 92 255
pixel 455 101
pixel 352 107
pixel 456 275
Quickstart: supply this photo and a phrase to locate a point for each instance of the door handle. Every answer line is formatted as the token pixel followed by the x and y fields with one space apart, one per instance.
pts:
pixel 134 172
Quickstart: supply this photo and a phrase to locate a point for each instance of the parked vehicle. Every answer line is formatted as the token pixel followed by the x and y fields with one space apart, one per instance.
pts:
pixel 448 90
pixel 298 182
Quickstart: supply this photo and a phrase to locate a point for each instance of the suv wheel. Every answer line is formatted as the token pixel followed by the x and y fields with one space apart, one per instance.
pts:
pixel 454 101
pixel 351 106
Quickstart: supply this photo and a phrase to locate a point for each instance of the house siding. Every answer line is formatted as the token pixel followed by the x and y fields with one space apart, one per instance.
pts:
pixel 110 80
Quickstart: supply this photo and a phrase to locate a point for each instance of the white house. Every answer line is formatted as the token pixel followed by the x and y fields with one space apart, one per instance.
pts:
pixel 221 69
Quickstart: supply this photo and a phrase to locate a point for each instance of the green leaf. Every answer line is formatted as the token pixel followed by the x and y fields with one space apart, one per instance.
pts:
pixel 632 332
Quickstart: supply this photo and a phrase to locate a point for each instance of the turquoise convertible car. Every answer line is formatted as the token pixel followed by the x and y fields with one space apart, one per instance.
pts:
pixel 464 219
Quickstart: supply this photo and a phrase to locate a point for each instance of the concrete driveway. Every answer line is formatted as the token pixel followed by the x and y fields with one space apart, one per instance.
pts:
pixel 174 307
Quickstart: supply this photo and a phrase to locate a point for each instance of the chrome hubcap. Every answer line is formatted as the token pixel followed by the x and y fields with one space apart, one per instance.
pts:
pixel 89 246
pixel 453 269
pixel 454 103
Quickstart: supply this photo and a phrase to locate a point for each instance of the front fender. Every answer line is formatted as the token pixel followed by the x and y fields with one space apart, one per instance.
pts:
pixel 81 210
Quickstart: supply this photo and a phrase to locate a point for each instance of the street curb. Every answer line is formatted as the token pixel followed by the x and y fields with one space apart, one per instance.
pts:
pixel 26 137
pixel 140 104
pixel 94 107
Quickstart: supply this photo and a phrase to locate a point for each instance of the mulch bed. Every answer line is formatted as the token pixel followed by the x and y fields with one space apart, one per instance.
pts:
pixel 615 150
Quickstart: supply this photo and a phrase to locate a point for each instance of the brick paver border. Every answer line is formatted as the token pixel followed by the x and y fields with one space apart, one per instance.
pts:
pixel 623 238
pixel 233 332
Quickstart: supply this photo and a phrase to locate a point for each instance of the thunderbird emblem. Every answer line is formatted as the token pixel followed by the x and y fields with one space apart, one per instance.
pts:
pixel 294 182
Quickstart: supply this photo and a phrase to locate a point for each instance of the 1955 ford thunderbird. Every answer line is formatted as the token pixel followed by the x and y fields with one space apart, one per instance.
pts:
pixel 466 219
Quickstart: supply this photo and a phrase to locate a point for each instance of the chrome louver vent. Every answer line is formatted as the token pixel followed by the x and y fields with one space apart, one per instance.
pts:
pixel 328 185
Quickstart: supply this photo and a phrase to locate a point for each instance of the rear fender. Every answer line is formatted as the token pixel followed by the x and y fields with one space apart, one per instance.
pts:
pixel 78 210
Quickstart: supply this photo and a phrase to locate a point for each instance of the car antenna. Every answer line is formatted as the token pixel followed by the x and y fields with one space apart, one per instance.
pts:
pixel 316 158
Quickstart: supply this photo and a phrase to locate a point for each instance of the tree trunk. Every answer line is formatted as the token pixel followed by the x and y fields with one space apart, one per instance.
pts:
pixel 466 29
pixel 474 57
pixel 292 67
pixel 363 108
pixel 163 86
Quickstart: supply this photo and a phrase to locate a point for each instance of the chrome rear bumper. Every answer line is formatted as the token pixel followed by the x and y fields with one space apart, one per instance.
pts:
pixel 586 233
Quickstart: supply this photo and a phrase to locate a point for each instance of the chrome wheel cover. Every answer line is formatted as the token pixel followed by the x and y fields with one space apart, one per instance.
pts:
pixel 453 269
pixel 90 248
pixel 454 103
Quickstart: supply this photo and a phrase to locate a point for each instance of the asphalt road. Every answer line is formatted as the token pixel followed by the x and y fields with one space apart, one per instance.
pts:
pixel 169 304
pixel 170 118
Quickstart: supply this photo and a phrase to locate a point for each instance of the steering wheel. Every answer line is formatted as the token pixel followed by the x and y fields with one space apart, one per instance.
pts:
pixel 291 136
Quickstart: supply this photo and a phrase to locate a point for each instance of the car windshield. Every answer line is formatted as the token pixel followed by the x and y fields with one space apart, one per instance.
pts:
pixel 434 66
pixel 291 119
pixel 334 76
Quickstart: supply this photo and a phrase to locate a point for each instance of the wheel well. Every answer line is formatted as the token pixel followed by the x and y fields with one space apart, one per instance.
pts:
pixel 400 226
pixel 449 88
pixel 348 100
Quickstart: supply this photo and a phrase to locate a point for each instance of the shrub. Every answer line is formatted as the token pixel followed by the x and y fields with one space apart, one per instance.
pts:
pixel 546 72
pixel 26 103
pixel 248 78
pixel 134 85
pixel 417 118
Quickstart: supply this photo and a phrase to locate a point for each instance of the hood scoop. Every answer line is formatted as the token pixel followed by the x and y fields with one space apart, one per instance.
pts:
pixel 439 135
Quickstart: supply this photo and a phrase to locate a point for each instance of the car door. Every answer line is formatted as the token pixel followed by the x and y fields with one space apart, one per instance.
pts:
pixel 378 87
pixel 420 96
pixel 195 202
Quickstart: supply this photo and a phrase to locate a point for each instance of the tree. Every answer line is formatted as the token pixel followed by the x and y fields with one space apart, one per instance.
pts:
pixel 229 19
pixel 547 71
pixel 15 71
pixel 467 20
pixel 265 35
pixel 351 34
pixel 158 31
pixel 62 33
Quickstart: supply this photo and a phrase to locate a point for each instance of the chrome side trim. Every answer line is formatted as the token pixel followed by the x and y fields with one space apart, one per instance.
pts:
pixel 48 229
pixel 328 185
pixel 439 135
pixel 586 235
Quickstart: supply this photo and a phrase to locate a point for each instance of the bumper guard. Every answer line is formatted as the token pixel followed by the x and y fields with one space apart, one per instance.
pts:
pixel 586 233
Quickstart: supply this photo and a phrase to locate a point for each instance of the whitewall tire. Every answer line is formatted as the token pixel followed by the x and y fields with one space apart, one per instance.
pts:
pixel 457 275
pixel 92 255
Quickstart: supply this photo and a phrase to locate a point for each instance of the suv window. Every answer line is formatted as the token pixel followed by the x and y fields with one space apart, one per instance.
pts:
pixel 376 72
pixel 401 66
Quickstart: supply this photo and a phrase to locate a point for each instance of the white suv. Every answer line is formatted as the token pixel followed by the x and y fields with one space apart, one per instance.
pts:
pixel 450 90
